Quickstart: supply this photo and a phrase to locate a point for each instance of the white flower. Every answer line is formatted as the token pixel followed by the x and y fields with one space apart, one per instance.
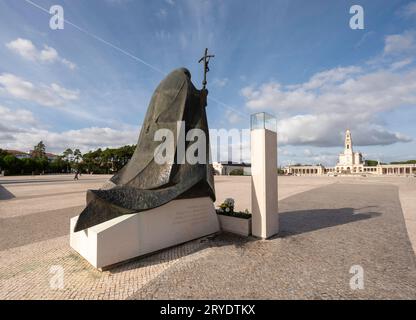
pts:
pixel 227 209
pixel 229 202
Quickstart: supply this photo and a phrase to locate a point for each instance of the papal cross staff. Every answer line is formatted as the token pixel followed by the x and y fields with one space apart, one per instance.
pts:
pixel 205 59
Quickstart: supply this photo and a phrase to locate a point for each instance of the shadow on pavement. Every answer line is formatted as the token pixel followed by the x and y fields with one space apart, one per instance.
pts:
pixel 302 221
pixel 291 223
pixel 39 226
pixel 5 194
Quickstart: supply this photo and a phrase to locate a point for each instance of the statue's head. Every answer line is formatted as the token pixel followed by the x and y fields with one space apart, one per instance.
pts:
pixel 185 71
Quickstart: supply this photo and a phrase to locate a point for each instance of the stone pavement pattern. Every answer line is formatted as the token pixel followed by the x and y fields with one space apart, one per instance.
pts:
pixel 34 238
pixel 34 226
pixel 323 233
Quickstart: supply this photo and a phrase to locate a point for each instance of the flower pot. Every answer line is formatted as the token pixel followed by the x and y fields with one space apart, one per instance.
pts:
pixel 235 225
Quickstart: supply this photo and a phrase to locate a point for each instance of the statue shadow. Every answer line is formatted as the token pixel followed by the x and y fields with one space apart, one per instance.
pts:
pixel 304 221
pixel 5 194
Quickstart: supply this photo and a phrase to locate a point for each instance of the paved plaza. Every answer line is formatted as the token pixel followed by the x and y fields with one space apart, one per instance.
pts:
pixel 328 225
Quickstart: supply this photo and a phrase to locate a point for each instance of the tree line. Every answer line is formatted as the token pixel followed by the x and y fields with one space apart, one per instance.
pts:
pixel 99 161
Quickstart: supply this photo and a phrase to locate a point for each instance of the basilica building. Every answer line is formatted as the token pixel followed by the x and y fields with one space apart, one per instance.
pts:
pixel 350 162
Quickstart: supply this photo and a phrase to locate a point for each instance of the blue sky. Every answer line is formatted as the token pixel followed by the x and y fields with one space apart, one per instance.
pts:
pixel 89 86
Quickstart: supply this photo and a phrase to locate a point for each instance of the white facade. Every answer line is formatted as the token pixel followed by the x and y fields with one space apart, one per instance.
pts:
pixel 350 162
pixel 226 168
pixel 304 170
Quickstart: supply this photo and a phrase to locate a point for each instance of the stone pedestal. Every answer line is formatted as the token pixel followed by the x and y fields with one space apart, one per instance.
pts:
pixel 265 217
pixel 138 234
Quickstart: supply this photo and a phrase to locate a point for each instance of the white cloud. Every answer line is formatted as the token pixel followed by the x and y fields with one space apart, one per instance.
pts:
pixel 65 94
pixel 48 54
pixel 90 138
pixel 285 152
pixel 24 48
pixel 358 92
pixel 232 117
pixel 330 77
pixel 318 111
pixel 27 50
pixel 220 82
pixel 50 96
pixel 69 64
pixel 20 116
pixel 20 130
pixel 307 156
pixel 85 139
pixel 327 130
pixel 401 64
pixel 408 10
pixel 400 43
pixel 14 122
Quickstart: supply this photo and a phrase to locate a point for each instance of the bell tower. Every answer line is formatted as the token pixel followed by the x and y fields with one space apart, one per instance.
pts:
pixel 348 142
pixel 349 161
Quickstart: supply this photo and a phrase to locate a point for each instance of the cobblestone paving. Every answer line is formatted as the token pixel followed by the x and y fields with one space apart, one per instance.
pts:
pixel 34 238
pixel 38 226
pixel 25 272
pixel 324 233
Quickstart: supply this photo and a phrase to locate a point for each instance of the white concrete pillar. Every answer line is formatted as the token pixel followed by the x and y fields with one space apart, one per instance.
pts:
pixel 265 217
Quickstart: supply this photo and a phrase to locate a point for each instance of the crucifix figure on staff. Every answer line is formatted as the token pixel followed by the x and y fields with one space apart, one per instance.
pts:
pixel 205 59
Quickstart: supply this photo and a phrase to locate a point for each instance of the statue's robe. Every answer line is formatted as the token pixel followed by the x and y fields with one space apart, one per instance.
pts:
pixel 143 184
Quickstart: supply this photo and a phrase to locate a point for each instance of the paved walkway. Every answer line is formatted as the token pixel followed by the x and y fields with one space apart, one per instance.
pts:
pixel 325 230
pixel 324 233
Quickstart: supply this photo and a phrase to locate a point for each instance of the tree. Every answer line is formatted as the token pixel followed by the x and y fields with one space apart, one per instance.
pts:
pixel 39 151
pixel 77 155
pixel 3 153
pixel 76 164
pixel 108 160
pixel 42 164
pixel 280 171
pixel 58 165
pixel 1 164
pixel 67 154
pixel 29 165
pixel 371 163
pixel 97 161
pixel 92 161
pixel 12 165
pixel 404 162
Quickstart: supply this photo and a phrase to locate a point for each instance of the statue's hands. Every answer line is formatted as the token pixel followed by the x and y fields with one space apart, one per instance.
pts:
pixel 204 97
